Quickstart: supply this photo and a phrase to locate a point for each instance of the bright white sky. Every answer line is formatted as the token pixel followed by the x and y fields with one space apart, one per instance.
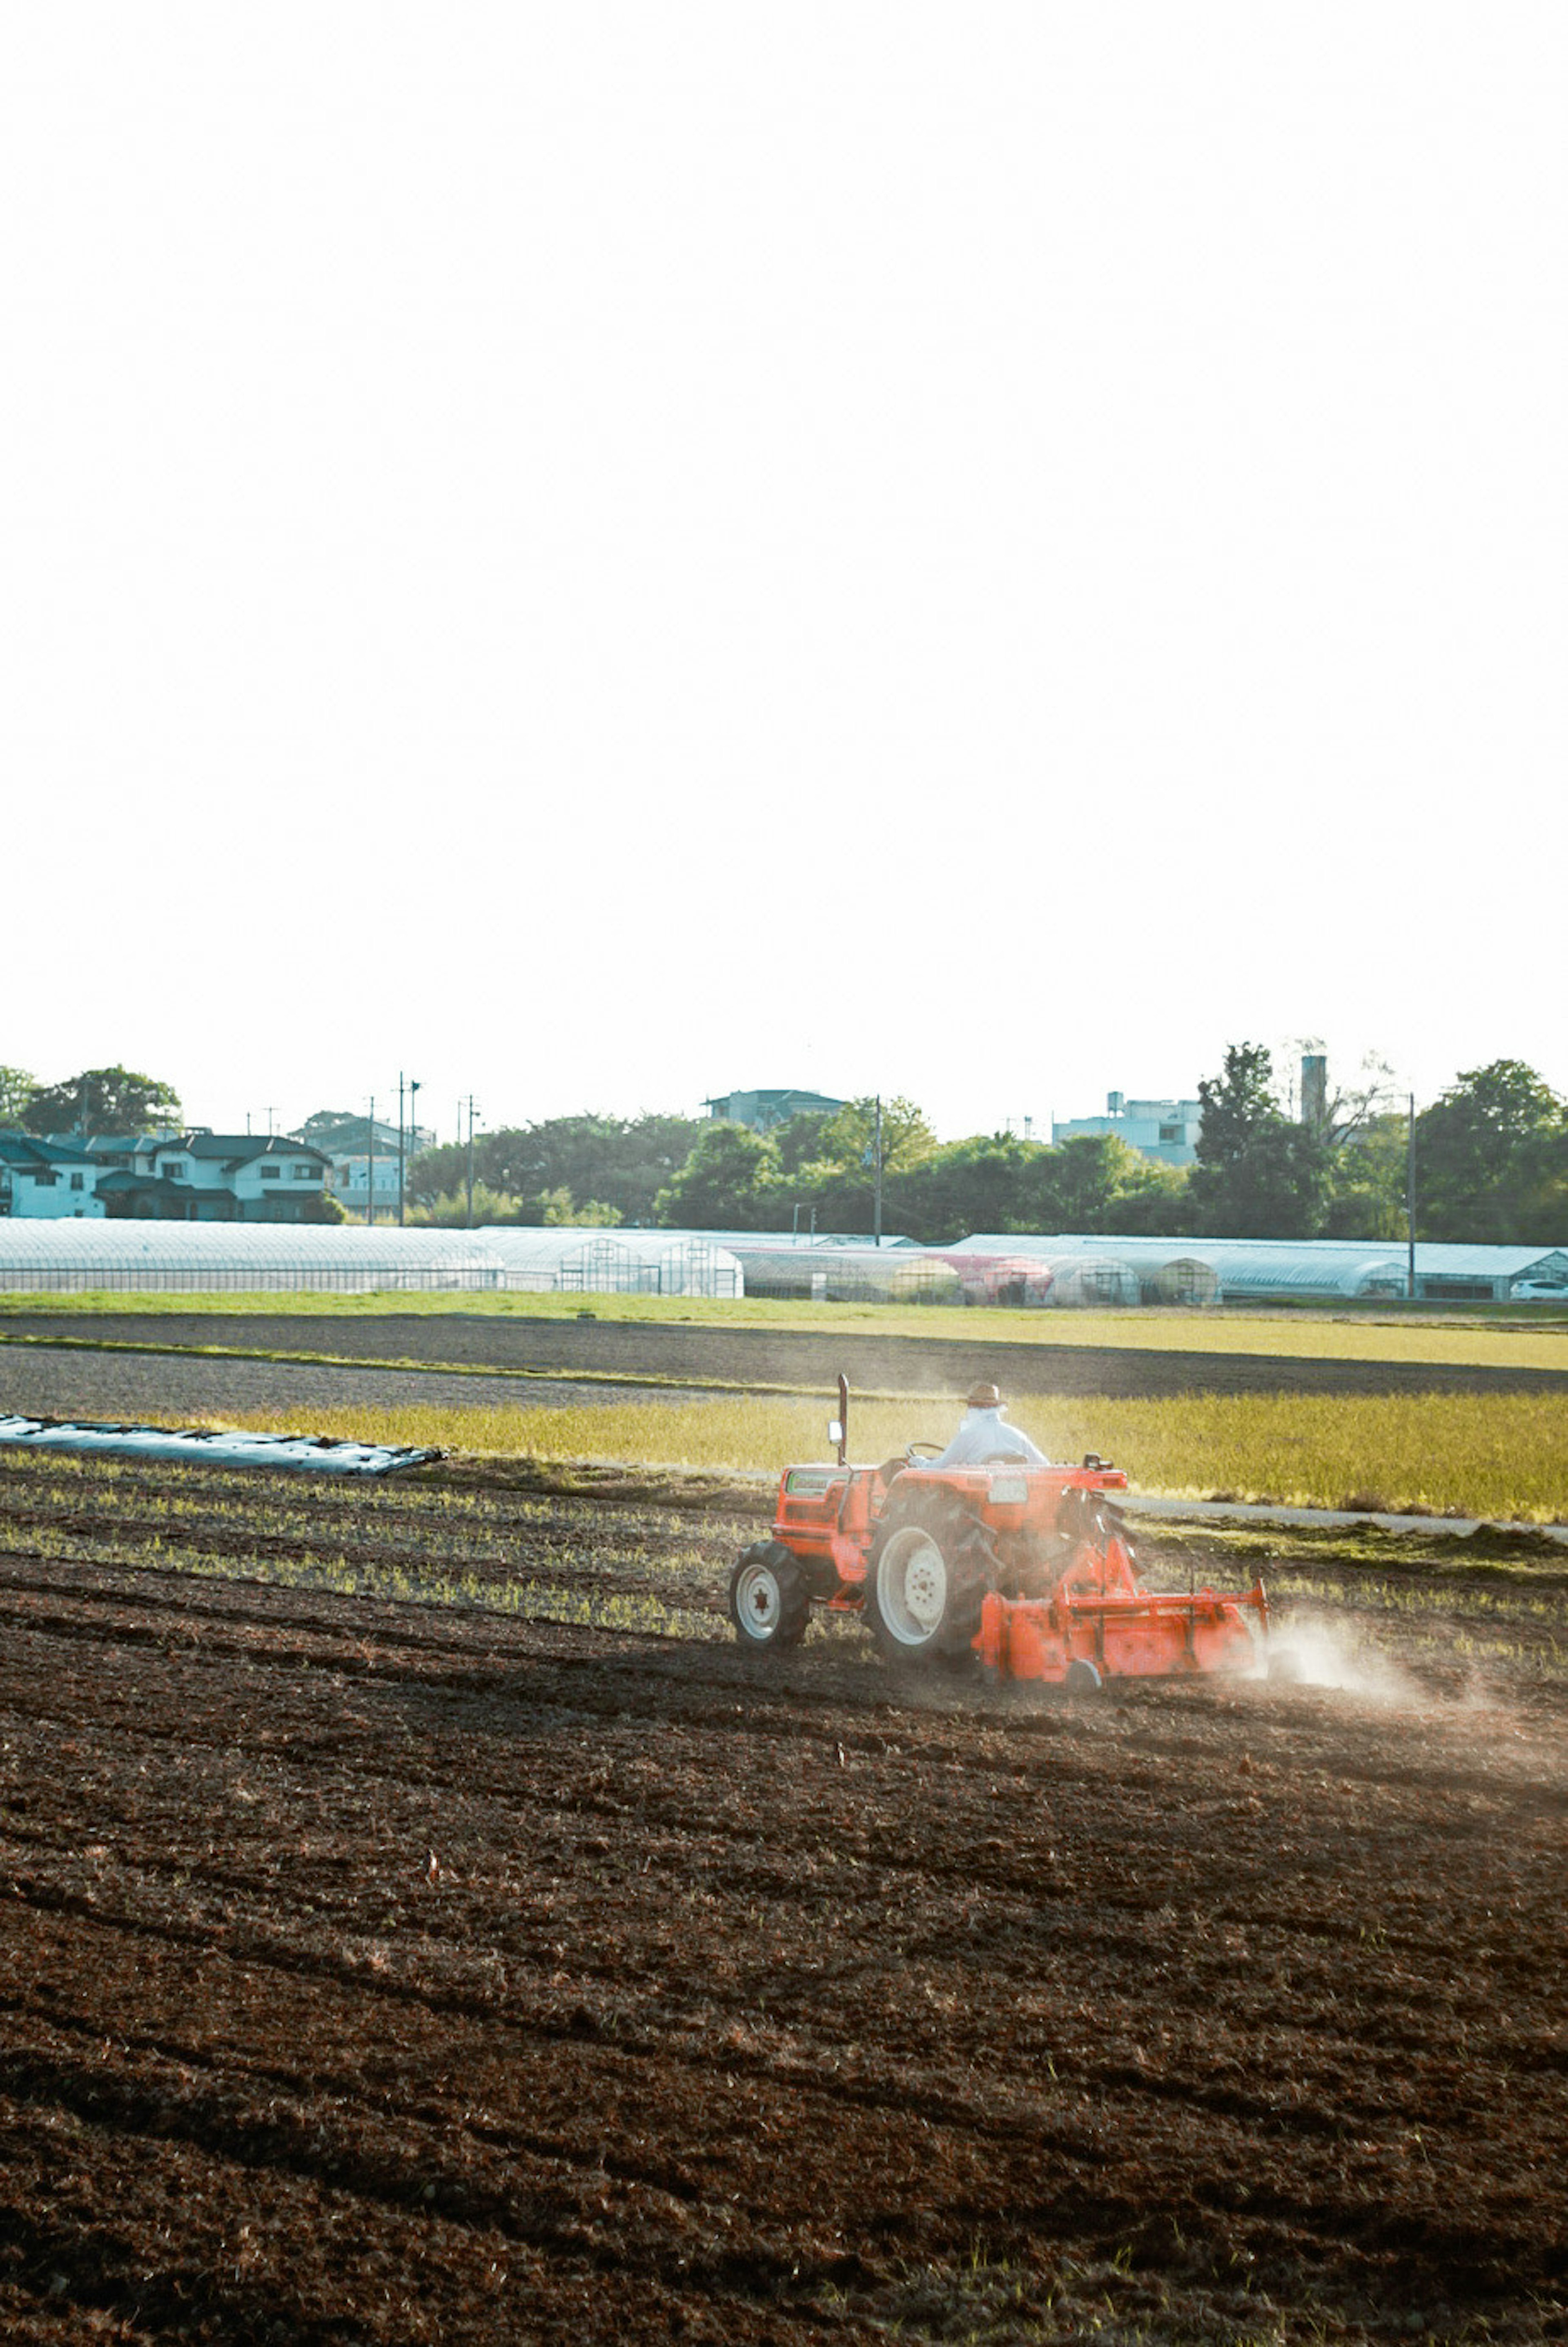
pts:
pixel 603 554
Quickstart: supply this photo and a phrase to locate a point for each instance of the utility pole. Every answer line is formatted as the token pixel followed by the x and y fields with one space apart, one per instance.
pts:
pixel 471 1161
pixel 369 1168
pixel 412 1128
pixel 1411 1205
pixel 877 1223
pixel 400 1148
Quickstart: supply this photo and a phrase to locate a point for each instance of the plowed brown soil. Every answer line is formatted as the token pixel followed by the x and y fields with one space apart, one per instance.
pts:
pixel 382 1969
pixel 798 1359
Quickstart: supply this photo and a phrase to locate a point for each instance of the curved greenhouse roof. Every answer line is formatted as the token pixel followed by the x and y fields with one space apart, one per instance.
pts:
pixel 612 1262
pixel 1263 1267
pixel 1090 1281
pixel 845 1272
pixel 347 1258
pixel 235 1256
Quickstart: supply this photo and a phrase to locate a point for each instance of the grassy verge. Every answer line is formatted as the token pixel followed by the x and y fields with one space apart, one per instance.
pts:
pixel 1498 1456
pixel 1498 1337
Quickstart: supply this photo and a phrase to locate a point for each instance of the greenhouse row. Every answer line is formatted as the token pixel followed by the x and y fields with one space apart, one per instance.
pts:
pixel 1074 1270
pixel 1245 1270
pixel 1065 1271
pixel 346 1259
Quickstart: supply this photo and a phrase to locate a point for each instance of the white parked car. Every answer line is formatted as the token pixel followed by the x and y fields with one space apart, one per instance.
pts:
pixel 1538 1291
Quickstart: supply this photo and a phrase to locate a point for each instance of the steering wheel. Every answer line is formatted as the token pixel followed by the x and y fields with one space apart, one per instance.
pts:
pixel 915 1451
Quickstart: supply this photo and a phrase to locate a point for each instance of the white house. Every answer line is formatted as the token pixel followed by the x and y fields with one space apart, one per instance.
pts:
pixel 47 1179
pixel 1164 1130
pixel 203 1177
pixel 356 1147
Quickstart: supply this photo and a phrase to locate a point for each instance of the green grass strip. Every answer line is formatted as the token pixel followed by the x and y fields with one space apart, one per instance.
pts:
pixel 1498 1456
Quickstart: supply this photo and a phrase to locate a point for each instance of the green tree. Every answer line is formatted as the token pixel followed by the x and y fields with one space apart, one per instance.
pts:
pixel 16 1089
pixel 1259 1176
pixel 980 1184
pixel 996 1182
pixel 564 1212
pixel 619 1164
pixel 323 1129
pixel 449 1209
pixel 1367 1197
pixel 799 1141
pixel 838 1181
pixel 103 1099
pixel 1492 1159
pixel 730 1182
pixel 1150 1198
pixel 1078 1183
pixel 848 1136
pixel 1237 1103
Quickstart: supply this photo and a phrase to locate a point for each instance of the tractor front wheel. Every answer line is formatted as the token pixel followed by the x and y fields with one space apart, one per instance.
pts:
pixel 770 1604
pixel 925 1580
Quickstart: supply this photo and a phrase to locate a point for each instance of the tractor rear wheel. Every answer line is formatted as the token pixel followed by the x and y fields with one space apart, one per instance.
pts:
pixel 770 1604
pixel 926 1580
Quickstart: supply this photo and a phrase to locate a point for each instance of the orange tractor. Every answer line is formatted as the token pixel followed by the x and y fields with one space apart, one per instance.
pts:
pixel 1025 1569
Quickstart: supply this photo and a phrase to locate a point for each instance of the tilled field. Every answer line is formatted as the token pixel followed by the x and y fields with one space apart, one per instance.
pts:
pixel 384 1970
pixel 796 1359
pixel 50 1382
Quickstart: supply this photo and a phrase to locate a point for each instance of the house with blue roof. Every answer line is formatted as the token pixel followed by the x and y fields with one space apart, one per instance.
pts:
pixel 199 1176
pixel 48 1178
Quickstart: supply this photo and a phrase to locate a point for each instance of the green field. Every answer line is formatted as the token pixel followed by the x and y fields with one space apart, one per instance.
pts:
pixel 1512 1337
pixel 1501 1456
pixel 1494 1456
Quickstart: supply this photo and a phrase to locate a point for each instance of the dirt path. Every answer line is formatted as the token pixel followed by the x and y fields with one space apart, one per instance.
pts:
pixel 371 1971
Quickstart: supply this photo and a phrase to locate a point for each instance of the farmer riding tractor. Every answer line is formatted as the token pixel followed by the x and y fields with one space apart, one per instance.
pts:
pixel 985 1552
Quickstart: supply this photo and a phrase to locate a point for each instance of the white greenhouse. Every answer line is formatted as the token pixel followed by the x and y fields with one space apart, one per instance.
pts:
pixel 234 1258
pixel 611 1262
pixel 1173 1270
pixel 346 1258
pixel 1092 1281
pixel 840 1272
pixel 1022 1281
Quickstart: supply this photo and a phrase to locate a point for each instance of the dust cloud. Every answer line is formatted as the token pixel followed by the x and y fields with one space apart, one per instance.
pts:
pixel 1332 1653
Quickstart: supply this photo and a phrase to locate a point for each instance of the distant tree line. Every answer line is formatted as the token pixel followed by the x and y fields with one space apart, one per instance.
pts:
pixel 568 1169
pixel 1490 1163
pixel 100 1099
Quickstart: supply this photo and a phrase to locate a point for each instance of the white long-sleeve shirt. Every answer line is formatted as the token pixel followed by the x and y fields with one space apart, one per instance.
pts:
pixel 984 1434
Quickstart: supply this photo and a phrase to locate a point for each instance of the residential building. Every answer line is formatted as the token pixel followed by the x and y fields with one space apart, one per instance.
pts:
pixel 47 1179
pixel 1164 1130
pixel 357 1143
pixel 203 1177
pixel 764 1111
